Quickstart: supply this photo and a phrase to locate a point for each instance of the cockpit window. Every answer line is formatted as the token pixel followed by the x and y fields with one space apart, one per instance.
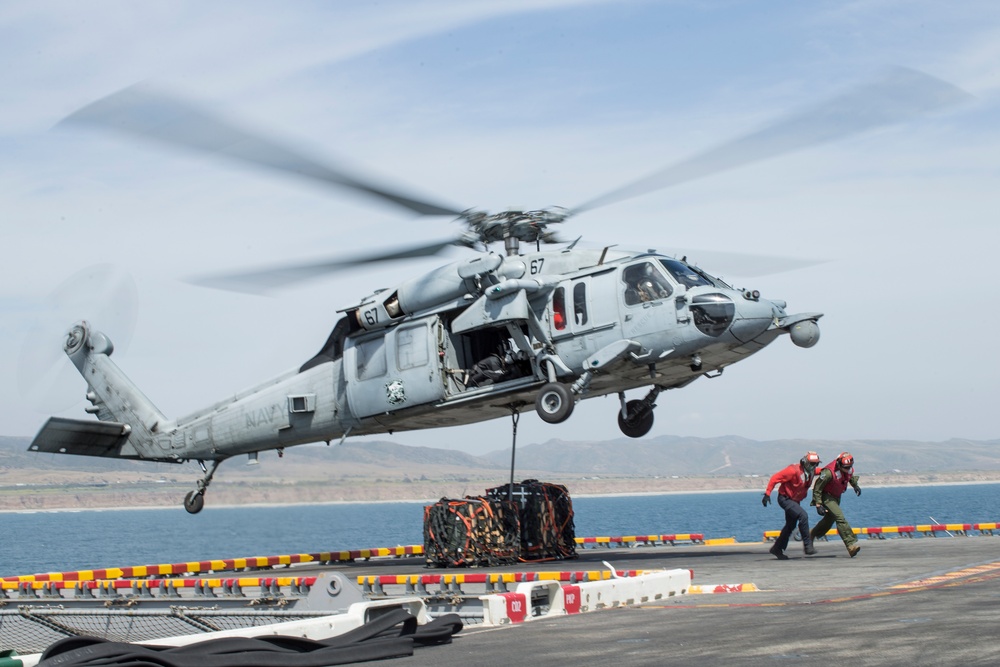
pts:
pixel 644 282
pixel 684 274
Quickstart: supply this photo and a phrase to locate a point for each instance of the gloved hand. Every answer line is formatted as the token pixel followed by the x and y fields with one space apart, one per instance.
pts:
pixel 857 490
pixel 766 500
pixel 820 510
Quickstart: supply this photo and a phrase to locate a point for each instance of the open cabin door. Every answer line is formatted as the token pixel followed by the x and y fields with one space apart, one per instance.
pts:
pixel 393 369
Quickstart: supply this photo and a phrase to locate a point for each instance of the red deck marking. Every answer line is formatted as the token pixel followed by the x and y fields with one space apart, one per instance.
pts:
pixel 571 598
pixel 517 606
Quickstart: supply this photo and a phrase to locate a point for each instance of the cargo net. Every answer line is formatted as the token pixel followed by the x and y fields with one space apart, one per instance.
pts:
pixel 545 512
pixel 471 532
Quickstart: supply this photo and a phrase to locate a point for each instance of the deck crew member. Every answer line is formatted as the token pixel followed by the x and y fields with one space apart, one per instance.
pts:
pixel 830 485
pixel 793 481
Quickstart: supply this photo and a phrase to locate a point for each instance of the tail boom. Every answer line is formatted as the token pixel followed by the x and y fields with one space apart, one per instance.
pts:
pixel 128 420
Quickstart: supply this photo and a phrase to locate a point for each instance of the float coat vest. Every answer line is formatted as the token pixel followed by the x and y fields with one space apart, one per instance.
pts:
pixel 838 483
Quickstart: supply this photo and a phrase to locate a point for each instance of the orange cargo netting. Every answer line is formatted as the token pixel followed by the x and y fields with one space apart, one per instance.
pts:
pixel 546 516
pixel 528 521
pixel 471 532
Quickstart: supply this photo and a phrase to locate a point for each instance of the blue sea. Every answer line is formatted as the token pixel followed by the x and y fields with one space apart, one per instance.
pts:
pixel 57 541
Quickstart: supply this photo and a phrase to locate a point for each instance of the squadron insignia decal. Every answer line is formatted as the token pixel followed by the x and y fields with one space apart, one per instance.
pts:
pixel 395 393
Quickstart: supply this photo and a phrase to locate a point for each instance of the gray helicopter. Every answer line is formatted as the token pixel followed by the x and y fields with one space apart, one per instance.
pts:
pixel 476 339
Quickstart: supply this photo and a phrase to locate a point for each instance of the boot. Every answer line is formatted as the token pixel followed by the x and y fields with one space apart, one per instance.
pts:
pixel 854 549
pixel 778 553
pixel 809 548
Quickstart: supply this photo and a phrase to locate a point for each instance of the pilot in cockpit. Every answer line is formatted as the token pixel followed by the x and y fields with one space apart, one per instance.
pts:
pixel 650 285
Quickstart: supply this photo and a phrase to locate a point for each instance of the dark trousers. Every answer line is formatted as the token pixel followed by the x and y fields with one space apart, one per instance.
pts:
pixel 794 515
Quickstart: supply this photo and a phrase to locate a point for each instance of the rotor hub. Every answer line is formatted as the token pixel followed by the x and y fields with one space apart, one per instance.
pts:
pixel 511 227
pixel 76 337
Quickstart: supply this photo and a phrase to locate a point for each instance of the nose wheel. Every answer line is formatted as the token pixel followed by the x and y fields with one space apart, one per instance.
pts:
pixel 635 419
pixel 554 403
pixel 638 421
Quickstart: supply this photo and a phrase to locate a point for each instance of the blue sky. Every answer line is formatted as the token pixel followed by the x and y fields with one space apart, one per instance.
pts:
pixel 519 104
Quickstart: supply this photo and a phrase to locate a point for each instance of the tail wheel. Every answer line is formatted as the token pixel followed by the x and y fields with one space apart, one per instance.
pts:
pixel 639 420
pixel 554 403
pixel 194 501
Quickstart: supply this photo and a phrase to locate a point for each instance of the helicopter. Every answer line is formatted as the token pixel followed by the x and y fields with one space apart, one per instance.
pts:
pixel 544 323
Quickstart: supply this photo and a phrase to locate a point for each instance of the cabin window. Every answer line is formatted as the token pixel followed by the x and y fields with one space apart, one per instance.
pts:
pixel 371 358
pixel 411 348
pixel 559 309
pixel 580 303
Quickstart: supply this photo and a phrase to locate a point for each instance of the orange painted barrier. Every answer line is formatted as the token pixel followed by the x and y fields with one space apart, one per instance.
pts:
pixel 319 558
pixel 694 538
pixel 927 530
pixel 119 584
pixel 229 564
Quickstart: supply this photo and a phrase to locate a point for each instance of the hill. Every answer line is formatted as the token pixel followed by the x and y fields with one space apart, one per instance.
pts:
pixel 381 470
pixel 677 455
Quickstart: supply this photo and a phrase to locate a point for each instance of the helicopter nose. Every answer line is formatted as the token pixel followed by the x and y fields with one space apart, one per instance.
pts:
pixel 753 317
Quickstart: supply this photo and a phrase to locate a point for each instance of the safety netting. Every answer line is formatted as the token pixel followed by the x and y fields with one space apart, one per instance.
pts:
pixel 524 521
pixel 545 514
pixel 471 532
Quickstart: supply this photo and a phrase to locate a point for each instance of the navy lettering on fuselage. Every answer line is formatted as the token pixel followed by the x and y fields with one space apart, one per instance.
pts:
pixel 263 416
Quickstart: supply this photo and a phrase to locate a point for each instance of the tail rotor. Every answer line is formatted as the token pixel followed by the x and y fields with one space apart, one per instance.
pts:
pixel 103 295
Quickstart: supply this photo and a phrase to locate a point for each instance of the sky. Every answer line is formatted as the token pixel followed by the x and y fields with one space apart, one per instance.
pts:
pixel 513 103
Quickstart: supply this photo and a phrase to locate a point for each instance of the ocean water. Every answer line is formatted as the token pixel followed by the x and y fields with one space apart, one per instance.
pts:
pixel 56 541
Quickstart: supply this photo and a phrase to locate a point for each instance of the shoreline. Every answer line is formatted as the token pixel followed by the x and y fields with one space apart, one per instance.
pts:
pixel 758 489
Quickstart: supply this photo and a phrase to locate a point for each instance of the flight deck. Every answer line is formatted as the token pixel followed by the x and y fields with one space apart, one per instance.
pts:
pixel 899 601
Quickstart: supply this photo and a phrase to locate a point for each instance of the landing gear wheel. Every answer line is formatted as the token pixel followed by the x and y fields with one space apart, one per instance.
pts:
pixel 194 501
pixel 639 420
pixel 554 403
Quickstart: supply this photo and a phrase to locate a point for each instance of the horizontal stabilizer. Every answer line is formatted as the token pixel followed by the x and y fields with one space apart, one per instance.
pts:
pixel 84 438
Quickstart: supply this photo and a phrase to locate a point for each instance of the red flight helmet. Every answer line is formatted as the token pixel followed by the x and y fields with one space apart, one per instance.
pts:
pixel 845 461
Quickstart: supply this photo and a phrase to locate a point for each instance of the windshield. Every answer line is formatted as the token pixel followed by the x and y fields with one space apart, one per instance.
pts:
pixel 686 275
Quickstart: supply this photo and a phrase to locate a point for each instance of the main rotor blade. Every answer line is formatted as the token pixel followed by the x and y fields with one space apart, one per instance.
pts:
pixel 265 280
pixel 143 113
pixel 902 94
pixel 726 265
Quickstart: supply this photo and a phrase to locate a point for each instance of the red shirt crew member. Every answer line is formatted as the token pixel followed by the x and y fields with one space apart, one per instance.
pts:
pixel 794 483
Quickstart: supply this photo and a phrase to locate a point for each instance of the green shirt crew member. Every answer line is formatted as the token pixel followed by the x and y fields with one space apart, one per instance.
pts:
pixel 830 485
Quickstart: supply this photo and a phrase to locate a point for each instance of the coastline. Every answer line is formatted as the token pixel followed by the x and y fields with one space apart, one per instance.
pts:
pixel 70 498
pixel 760 491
